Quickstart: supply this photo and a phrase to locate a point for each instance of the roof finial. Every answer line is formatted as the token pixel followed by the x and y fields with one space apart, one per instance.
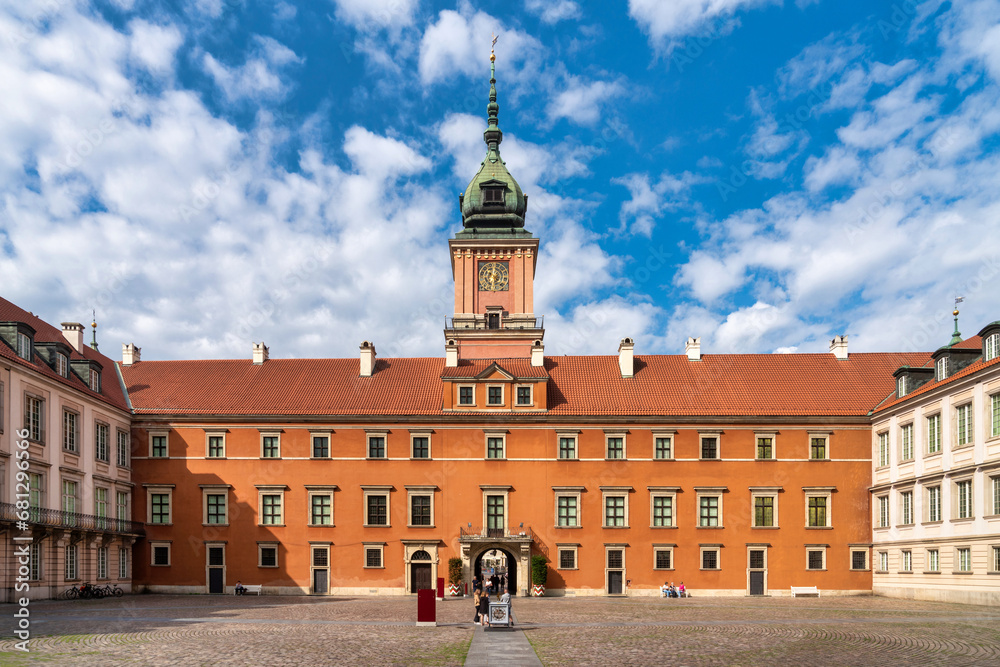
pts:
pixel 493 136
pixel 956 337
pixel 93 326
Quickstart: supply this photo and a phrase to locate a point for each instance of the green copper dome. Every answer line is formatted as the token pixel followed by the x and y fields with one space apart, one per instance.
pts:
pixel 493 204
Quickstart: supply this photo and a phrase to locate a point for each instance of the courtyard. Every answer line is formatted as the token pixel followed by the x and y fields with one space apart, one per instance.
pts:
pixel 226 630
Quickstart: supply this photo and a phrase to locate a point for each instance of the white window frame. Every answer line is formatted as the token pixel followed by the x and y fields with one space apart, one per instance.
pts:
pixel 964 430
pixel 328 434
pixel 413 437
pixel 25 346
pixel 214 490
pixel 384 436
pixel 34 435
pixel 374 546
pixel 995 560
pixel 260 554
pixel 270 434
pixel 567 548
pixel 883 562
pixel 122 512
pixel 901 386
pixel 664 548
pixel 932 497
pixel 369 491
pixel 615 434
pixel 271 490
pixel 993 406
pixel 423 491
pixel 570 435
pixel 164 544
pixel 991 347
pixel 819 435
pixel 123 447
pixel 531 395
pixel 503 395
pixel 862 550
pixel 159 489
pixel 502 435
pixel 608 492
pixel 501 490
pixel 993 497
pixel 906 442
pixel 166 444
pixel 458 395
pixel 968 506
pixel 933 426
pixel 103 555
pixel 102 442
pixel 764 492
pixel 208 443
pixel 819 492
pixel 906 507
pixel 932 559
pixel 773 437
pixel 123 554
pixel 36 561
pixel 71 570
pixel 62 364
pixel 668 492
pixel 313 491
pixel 882 516
pixel 669 437
pixel 95 381
pixel 820 548
pixel 702 550
pixel 73 447
pixel 705 435
pixel 574 492
pixel 716 492
pixel 882 449
pixel 963 558
pixel 941 368
pixel 906 560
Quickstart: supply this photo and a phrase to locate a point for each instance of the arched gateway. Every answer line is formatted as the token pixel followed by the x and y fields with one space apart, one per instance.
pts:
pixel 513 552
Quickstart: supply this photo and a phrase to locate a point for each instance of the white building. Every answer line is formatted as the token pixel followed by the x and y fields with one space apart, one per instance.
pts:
pixel 936 477
pixel 64 401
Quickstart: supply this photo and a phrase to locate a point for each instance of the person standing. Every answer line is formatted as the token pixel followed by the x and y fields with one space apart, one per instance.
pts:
pixel 484 611
pixel 476 596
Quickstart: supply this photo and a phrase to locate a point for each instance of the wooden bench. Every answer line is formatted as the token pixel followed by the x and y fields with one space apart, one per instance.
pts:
pixel 805 590
pixel 251 588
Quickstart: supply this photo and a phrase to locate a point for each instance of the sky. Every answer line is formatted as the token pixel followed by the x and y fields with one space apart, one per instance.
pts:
pixel 762 174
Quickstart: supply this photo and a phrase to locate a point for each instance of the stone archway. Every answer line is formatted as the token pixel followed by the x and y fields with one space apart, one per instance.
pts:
pixel 517 551
pixel 508 563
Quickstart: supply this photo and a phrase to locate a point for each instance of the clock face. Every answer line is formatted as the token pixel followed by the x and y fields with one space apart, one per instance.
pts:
pixel 493 277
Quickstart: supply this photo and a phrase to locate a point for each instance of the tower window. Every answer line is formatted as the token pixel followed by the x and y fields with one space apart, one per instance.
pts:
pixel 493 195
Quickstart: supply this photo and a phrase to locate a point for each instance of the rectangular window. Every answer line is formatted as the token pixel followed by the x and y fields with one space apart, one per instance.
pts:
pixel 996 559
pixel 616 448
pixel 815 558
pixel 465 396
pixel 934 434
pixel 267 555
pixel 271 509
pixel 963 494
pixel 270 447
pixel 614 511
pixel 122 563
pixel 710 559
pixel 420 511
pixel 69 498
pixel 35 561
pixel 859 559
pixel 708 511
pixel 524 395
pixel 906 508
pixel 494 395
pixel 321 509
pixel 765 448
pixel 883 561
pixel 763 511
pixel 994 415
pixel 567 447
pixel 883 512
pixel 663 511
pixel 817 511
pixel 102 434
pixel 494 448
pixel 995 481
pixel 215 508
pixel 102 562
pixel 159 508
pixel 35 493
pixel 616 558
pixel 158 446
pixel 121 506
pixel 373 557
pixel 123 449
pixel 906 561
pixel 991 347
pixel 709 447
pixel 933 560
pixel 965 559
pixel 216 446
pixel 566 511
pixel 321 446
pixel 69 431
pixel 663 559
pixel 663 448
pixel 941 368
pixel 161 555
pixel 934 503
pixel 963 423
pixel 906 442
pixel 377 510
pixel 24 346
pixel 883 449
pixel 567 559
pixel 95 381
pixel 101 502
pixel 70 569
pixel 817 448
pixel 421 447
pixel 376 447
pixel 34 418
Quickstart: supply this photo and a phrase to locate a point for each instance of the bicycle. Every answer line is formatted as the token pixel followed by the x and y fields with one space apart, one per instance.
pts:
pixel 108 591
pixel 72 593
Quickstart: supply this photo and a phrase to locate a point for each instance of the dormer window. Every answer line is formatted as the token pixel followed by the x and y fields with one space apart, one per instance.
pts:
pixel 62 364
pixel 901 386
pixel 24 346
pixel 991 347
pixel 95 381
pixel 493 195
pixel 941 369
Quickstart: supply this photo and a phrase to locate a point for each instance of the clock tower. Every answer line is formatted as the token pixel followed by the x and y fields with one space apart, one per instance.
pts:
pixel 493 262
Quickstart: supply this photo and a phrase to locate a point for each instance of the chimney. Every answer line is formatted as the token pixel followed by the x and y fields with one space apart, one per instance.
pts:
pixel 625 349
pixel 73 332
pixel 839 346
pixel 537 354
pixel 450 354
pixel 130 354
pixel 260 353
pixel 368 358
pixel 692 348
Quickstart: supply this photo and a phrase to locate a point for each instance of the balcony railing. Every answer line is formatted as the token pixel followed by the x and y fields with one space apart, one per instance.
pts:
pixel 526 533
pixel 71 520
pixel 537 322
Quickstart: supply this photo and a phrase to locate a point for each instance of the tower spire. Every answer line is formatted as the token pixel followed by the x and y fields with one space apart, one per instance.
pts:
pixel 93 327
pixel 956 337
pixel 493 136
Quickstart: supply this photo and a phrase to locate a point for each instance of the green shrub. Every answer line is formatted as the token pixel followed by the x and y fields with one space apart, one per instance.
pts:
pixel 455 570
pixel 539 569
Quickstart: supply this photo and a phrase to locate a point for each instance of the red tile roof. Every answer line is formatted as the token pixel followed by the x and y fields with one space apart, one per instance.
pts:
pixel 970 343
pixel 111 389
pixel 667 385
pixel 519 368
pixel 974 367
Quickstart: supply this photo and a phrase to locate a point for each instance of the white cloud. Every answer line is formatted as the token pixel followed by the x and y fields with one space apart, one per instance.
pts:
pixel 553 11
pixel 648 201
pixel 259 77
pixel 581 101
pixel 838 166
pixel 666 21
pixel 366 15
pixel 154 46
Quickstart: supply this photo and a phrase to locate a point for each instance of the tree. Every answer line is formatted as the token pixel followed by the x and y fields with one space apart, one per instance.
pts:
pixel 539 570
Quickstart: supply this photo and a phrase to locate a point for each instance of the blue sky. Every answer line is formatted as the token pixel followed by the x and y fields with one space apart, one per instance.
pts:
pixel 761 174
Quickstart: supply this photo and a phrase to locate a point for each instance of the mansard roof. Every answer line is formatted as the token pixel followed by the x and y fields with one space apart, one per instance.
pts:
pixel 764 385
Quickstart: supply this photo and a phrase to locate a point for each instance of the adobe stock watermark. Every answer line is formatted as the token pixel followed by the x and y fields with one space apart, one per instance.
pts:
pixel 94 137
pixel 22 542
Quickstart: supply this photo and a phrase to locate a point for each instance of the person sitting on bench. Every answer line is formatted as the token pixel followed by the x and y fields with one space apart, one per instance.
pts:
pixel 240 590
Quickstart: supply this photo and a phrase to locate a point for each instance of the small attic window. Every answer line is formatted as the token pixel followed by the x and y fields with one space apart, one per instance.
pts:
pixel 62 364
pixel 24 346
pixel 901 386
pixel 493 195
pixel 95 381
pixel 991 347
pixel 941 369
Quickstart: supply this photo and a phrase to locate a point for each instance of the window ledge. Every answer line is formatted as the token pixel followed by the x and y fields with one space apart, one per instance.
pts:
pixel 710 569
pixel 904 572
pixel 817 569
pixel 567 527
pixel 411 525
pixel 663 528
pixel 965 520
pixel 572 459
pixel 615 527
pixel 567 568
pixel 864 569
pixel 932 523
pixel 216 525
pixel 994 573
pixel 765 527
pixel 376 458
pixel 374 567
pixel 670 569
pixel 710 527
pixel 148 523
pixel 421 458
pixel 268 567
pixel 821 460
pixel 932 455
pixel 271 525
pixel 376 525
pixel 905 525
pixel 819 527
pixel 962 572
pixel 931 572
pixel 318 525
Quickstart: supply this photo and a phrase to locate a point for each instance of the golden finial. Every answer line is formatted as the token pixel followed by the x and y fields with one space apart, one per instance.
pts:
pixel 493 56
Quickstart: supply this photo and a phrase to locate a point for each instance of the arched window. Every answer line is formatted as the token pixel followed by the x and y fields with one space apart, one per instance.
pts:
pixel 420 555
pixel 991 348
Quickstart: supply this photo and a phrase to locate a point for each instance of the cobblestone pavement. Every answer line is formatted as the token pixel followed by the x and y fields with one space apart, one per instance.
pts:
pixel 203 630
